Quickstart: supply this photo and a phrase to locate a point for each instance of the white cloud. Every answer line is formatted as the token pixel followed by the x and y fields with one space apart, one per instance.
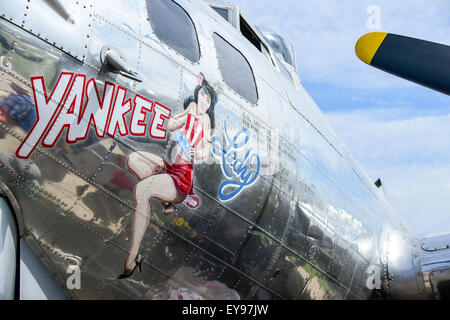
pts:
pixel 420 194
pixel 394 136
pixel 324 34
pixel 410 153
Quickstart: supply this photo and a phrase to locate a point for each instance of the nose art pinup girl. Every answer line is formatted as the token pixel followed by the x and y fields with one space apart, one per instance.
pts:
pixel 171 183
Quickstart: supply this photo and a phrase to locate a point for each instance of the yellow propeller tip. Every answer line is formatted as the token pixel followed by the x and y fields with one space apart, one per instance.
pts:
pixel 368 45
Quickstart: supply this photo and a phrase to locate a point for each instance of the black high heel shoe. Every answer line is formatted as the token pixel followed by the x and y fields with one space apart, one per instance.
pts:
pixel 130 273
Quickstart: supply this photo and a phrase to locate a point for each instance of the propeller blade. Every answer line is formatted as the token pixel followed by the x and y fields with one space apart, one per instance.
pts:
pixel 423 62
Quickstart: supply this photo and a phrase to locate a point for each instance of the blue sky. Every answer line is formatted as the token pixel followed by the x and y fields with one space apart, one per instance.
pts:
pixel 397 130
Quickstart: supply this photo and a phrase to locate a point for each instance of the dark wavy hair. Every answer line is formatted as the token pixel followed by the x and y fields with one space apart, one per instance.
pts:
pixel 213 95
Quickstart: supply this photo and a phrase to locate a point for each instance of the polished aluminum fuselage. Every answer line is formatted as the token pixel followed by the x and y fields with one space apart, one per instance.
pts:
pixel 309 228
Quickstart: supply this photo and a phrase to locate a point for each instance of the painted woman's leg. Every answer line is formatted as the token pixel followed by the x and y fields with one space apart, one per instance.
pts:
pixel 160 187
pixel 144 164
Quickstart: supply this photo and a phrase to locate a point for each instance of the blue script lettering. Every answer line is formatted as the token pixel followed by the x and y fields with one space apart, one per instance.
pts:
pixel 240 173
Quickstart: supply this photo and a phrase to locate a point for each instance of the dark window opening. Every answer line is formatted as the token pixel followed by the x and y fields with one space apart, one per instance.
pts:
pixel 248 33
pixel 172 25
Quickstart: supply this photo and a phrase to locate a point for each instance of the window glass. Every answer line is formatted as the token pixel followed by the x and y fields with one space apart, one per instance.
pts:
pixel 251 36
pixel 173 26
pixel 223 12
pixel 281 47
pixel 235 69
pixel 248 33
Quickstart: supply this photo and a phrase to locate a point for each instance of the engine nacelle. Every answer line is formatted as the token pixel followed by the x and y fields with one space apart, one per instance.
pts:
pixel 418 268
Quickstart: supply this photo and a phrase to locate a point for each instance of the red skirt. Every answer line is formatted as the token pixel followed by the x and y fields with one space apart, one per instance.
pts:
pixel 182 173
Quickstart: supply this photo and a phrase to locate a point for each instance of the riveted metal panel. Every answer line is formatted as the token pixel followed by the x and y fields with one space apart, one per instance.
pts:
pixel 124 14
pixel 106 33
pixel 289 274
pixel 67 25
pixel 435 243
pixel 14 11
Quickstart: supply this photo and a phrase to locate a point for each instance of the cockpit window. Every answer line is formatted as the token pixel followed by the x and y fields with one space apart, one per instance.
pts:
pixel 248 33
pixel 223 12
pixel 235 69
pixel 251 36
pixel 172 25
pixel 281 47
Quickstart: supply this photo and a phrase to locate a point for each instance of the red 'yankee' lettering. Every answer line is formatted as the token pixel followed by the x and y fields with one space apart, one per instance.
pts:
pixel 75 104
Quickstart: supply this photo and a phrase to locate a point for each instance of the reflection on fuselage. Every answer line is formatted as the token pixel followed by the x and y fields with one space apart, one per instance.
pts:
pixel 307 228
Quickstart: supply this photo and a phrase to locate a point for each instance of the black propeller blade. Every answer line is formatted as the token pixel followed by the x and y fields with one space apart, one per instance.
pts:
pixel 426 63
